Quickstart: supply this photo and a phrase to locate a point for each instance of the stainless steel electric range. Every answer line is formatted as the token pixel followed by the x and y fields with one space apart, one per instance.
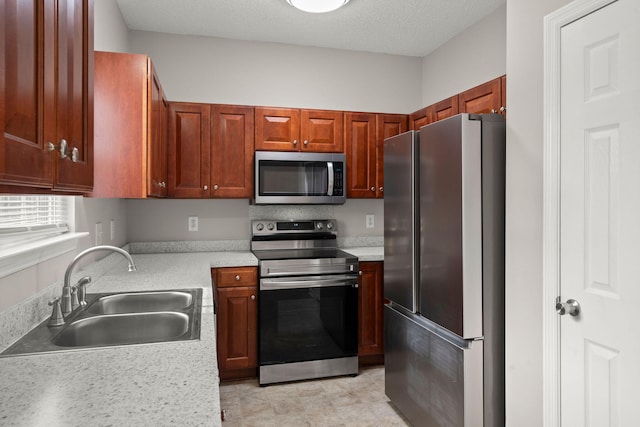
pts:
pixel 307 301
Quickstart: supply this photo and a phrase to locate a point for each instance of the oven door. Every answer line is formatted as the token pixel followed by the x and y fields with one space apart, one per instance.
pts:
pixel 308 318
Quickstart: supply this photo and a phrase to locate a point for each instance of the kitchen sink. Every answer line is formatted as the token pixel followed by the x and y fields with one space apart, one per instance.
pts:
pixel 136 302
pixel 120 329
pixel 113 319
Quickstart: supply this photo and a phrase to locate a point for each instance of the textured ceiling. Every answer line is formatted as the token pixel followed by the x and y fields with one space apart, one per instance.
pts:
pixel 402 27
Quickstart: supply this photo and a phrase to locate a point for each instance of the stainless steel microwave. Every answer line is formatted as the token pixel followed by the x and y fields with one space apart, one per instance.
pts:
pixel 299 178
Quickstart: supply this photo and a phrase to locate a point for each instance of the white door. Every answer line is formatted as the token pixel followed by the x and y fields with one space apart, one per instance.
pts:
pixel 600 217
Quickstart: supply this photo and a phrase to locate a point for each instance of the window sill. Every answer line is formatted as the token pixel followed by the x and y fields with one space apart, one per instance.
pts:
pixel 29 254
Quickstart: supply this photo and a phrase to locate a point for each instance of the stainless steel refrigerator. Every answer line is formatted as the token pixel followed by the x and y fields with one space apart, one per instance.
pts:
pixel 444 271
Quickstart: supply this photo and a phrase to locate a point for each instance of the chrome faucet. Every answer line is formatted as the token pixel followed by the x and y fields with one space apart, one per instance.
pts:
pixel 69 300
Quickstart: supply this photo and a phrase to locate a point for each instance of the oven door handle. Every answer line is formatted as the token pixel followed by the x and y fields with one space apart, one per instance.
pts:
pixel 308 282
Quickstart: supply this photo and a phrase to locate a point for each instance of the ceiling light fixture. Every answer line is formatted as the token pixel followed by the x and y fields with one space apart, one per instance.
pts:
pixel 317 6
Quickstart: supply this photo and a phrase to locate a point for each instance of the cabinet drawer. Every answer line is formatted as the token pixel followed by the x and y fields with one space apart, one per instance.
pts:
pixel 236 276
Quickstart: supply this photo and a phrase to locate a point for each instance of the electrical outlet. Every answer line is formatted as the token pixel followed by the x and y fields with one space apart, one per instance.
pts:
pixel 370 220
pixel 193 223
pixel 98 233
pixel 112 227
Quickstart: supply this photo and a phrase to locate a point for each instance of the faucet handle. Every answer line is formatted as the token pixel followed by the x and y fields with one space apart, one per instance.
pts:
pixel 74 298
pixel 56 318
pixel 82 290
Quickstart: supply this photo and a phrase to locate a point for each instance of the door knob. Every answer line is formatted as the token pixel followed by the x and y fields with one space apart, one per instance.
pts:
pixel 571 306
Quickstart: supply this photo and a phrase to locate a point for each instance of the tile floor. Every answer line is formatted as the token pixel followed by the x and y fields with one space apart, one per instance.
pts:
pixel 336 402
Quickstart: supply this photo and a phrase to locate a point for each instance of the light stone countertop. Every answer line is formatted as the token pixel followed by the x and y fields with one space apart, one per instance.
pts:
pixel 173 383
pixel 367 253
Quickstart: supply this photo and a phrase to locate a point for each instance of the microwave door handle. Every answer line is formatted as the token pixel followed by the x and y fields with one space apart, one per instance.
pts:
pixel 330 176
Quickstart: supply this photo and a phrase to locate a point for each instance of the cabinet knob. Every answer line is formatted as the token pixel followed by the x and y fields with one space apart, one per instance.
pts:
pixel 306 142
pixel 295 142
pixel 62 148
pixel 75 154
pixel 360 273
pixel 237 277
pixel 215 187
pixel 503 109
pixel 493 111
pixel 373 189
pixel 253 297
pixel 206 187
pixel 381 189
pixel 163 184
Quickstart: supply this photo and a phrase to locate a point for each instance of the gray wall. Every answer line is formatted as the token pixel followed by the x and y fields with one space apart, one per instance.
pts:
pixel 166 220
pixel 215 70
pixel 110 32
pixel 524 209
pixel 473 57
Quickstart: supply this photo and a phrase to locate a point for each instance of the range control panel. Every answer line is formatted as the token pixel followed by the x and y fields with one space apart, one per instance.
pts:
pixel 274 227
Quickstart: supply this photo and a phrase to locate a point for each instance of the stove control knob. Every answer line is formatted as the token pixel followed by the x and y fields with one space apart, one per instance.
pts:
pixel 270 226
pixel 259 226
pixel 319 226
pixel 329 225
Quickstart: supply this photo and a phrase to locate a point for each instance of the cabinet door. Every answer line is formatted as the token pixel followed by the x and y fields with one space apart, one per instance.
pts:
pixel 445 108
pixel 388 125
pixel 189 150
pixel 237 337
pixel 322 131
pixel 370 306
pixel 277 129
pixel 419 118
pixel 232 151
pixel 503 95
pixel 157 138
pixel 74 101
pixel 485 98
pixel 121 102
pixel 360 147
pixel 24 159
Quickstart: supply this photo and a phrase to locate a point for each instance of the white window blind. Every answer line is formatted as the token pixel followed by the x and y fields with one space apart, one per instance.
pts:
pixel 24 218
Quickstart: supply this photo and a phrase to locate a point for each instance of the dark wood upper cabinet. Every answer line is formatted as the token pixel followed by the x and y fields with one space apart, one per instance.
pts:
pixel 360 149
pixel 419 118
pixel 131 130
pixel 321 131
pixel 189 160
pixel 157 174
pixel 232 129
pixel 482 99
pixel 443 109
pixel 210 150
pixel 46 95
pixel 388 125
pixel 364 136
pixel 277 129
pixel 286 129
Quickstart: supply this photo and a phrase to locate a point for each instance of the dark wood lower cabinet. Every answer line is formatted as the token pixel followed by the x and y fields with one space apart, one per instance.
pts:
pixel 236 294
pixel 370 309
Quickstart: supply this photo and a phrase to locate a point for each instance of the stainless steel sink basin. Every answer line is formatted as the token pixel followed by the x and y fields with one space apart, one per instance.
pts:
pixel 120 329
pixel 112 319
pixel 141 302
